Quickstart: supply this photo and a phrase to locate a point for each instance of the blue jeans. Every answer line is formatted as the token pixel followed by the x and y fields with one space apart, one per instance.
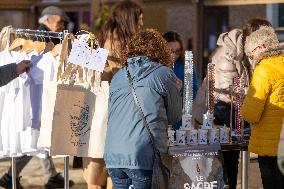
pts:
pixel 137 178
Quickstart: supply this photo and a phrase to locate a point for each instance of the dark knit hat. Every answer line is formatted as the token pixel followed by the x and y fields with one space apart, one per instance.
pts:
pixel 53 10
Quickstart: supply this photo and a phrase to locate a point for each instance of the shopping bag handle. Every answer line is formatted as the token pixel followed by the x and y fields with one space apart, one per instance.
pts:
pixel 63 54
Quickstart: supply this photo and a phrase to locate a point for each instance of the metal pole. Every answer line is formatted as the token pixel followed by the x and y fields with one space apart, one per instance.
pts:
pixel 14 175
pixel 65 32
pixel 245 164
pixel 66 172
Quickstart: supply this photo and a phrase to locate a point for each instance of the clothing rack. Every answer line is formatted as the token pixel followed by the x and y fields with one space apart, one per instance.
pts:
pixel 44 34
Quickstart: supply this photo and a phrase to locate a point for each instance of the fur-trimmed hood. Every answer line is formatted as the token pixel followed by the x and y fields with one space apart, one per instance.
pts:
pixel 264 36
pixel 271 51
pixel 266 39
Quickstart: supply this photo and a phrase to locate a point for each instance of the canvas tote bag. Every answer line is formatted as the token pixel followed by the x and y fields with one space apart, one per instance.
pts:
pixel 74 120
pixel 48 100
pixel 83 125
pixel 74 116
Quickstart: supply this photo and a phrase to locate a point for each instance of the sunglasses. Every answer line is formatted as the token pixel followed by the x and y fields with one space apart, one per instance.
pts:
pixel 256 49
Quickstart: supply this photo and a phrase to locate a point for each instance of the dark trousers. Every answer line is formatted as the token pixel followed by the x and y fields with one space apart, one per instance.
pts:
pixel 270 174
pixel 231 162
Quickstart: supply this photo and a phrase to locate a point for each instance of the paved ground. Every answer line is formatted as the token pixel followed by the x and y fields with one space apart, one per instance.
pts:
pixel 32 178
pixel 32 174
pixel 254 176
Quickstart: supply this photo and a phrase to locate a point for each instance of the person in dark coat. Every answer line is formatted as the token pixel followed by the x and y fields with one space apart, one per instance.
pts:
pixel 11 71
pixel 53 19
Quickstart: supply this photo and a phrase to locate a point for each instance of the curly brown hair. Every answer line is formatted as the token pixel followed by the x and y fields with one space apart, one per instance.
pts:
pixel 150 43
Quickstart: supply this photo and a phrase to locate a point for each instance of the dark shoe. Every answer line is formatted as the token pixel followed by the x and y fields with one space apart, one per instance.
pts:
pixel 77 162
pixel 56 182
pixel 6 182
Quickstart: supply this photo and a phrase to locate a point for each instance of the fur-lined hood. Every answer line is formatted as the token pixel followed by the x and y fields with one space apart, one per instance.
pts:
pixel 266 39
pixel 271 51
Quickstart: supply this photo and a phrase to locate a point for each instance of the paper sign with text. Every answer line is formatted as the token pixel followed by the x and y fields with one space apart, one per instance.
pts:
pixel 81 54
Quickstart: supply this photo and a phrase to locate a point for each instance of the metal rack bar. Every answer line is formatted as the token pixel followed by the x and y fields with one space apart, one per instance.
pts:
pixel 40 33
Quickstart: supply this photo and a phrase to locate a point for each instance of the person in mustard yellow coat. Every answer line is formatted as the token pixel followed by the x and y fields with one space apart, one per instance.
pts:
pixel 264 104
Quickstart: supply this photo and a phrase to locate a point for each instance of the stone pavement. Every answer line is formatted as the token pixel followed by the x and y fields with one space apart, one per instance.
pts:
pixel 254 176
pixel 32 175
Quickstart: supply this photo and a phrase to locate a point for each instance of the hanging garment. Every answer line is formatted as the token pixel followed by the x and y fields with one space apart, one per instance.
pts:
pixel 44 68
pixel 20 104
pixel 6 57
pixel 11 106
pixel 5 38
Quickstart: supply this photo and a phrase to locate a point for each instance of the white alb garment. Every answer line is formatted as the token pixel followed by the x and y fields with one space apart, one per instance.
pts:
pixel 44 69
pixel 20 104
pixel 9 139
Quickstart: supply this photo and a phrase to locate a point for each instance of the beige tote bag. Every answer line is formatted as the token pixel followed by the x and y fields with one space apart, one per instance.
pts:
pixel 74 114
pixel 74 119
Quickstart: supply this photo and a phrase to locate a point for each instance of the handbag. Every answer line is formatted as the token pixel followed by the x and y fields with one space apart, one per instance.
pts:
pixel 162 161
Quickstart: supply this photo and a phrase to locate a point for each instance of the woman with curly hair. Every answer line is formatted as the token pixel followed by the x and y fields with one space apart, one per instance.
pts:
pixel 128 153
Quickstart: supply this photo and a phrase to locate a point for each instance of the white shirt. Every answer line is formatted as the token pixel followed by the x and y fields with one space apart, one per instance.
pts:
pixel 16 114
